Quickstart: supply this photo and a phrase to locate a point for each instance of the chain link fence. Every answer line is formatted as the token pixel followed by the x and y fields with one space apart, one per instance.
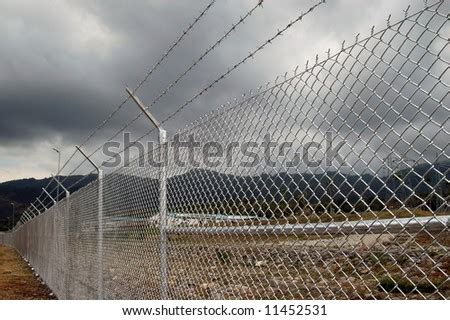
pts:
pixel 332 183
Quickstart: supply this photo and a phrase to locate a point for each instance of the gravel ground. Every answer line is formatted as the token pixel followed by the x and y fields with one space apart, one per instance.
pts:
pixel 17 281
pixel 375 266
pixel 378 266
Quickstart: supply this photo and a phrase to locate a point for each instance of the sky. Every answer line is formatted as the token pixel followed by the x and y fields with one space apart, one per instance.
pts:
pixel 65 64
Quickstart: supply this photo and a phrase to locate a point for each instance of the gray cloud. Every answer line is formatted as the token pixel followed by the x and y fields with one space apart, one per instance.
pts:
pixel 65 64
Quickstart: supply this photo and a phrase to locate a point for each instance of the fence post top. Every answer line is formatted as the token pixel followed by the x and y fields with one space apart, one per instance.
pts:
pixel 88 159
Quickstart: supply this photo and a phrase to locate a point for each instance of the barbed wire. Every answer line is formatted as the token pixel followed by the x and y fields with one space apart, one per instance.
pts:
pixel 221 77
pixel 202 14
pixel 182 75
pixel 237 65
pixel 218 42
pixel 269 86
pixel 250 55
pixel 203 91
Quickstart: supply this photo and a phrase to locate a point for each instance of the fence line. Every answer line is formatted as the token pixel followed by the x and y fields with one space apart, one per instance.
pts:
pixel 350 201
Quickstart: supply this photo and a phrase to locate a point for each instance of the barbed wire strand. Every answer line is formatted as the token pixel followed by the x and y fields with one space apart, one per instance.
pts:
pixel 210 49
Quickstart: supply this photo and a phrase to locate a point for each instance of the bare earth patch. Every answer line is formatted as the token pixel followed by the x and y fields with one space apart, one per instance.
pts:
pixel 17 281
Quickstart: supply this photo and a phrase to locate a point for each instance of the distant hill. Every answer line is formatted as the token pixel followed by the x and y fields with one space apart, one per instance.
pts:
pixel 208 191
pixel 214 192
pixel 23 192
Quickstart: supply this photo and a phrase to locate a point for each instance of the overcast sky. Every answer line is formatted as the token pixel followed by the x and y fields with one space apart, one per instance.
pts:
pixel 65 64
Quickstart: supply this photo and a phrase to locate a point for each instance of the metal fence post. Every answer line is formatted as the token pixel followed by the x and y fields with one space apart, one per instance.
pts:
pixel 67 240
pixel 66 235
pixel 100 225
pixel 163 213
pixel 164 273
pixel 100 234
pixel 54 233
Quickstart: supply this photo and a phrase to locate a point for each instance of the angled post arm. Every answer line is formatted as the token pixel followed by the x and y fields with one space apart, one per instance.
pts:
pixel 61 185
pixel 35 208
pixel 48 195
pixel 42 204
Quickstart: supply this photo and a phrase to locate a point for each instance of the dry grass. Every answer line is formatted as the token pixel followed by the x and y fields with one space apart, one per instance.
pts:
pixel 17 281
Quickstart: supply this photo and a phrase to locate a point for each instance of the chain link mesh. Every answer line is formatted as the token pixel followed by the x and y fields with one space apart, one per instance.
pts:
pixel 372 226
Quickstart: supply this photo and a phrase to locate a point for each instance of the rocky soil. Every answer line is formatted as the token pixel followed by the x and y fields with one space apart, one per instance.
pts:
pixel 17 281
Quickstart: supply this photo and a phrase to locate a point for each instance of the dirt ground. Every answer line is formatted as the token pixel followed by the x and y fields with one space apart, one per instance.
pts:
pixel 17 281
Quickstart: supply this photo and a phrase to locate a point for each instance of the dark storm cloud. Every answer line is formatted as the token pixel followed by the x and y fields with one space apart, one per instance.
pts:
pixel 65 64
